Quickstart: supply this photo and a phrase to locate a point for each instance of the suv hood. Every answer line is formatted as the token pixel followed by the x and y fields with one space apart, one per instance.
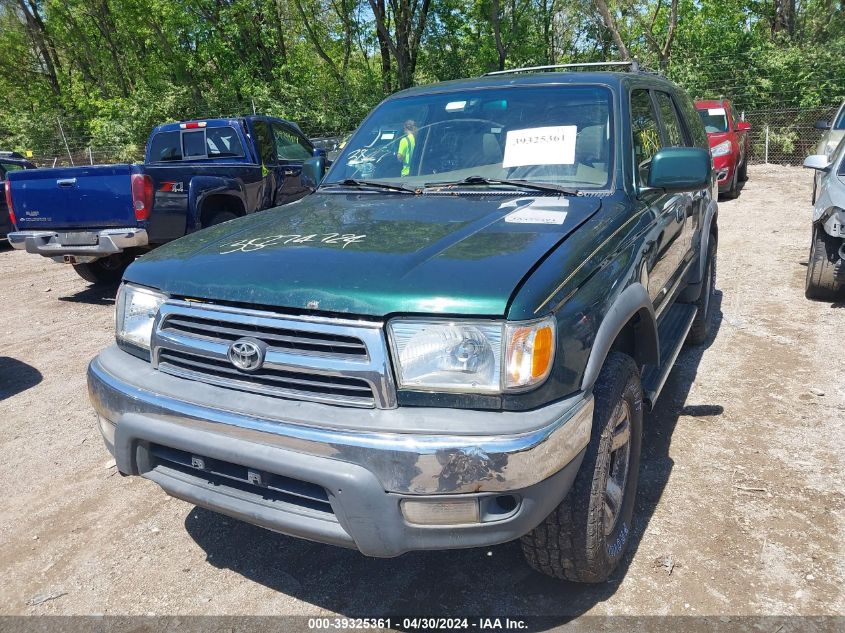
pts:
pixel 370 254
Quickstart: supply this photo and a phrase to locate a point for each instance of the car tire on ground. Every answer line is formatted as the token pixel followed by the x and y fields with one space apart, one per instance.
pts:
pixel 106 270
pixel 733 191
pixel 220 217
pixel 821 283
pixel 700 329
pixel 585 537
pixel 743 171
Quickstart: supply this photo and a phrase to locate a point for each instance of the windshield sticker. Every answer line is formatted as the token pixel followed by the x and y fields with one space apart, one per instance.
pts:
pixel 455 106
pixel 258 243
pixel 715 111
pixel 540 146
pixel 387 136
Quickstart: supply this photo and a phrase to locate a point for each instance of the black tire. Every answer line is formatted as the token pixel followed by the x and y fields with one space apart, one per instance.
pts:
pixel 700 329
pixel 106 270
pixel 220 217
pixel 743 171
pixel 821 283
pixel 733 192
pixel 580 541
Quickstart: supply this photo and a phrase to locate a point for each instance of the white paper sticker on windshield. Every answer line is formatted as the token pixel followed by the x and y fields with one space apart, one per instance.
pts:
pixel 456 106
pixel 387 136
pixel 715 111
pixel 541 146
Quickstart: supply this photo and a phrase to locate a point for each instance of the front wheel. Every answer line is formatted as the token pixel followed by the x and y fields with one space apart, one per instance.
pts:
pixel 106 270
pixel 743 171
pixel 822 282
pixel 585 537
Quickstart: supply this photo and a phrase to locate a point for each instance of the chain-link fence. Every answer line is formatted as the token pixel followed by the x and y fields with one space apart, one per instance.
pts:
pixel 785 136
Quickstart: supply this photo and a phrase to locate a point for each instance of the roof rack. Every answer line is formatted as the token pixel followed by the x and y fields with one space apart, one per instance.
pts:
pixel 631 66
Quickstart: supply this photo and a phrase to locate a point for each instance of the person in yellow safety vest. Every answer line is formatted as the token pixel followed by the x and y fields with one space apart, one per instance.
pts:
pixel 406 146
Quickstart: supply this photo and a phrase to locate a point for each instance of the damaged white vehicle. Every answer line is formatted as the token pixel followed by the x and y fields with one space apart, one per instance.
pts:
pixel 826 266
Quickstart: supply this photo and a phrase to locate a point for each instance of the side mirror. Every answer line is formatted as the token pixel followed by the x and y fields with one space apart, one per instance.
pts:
pixel 743 126
pixel 313 171
pixel 680 169
pixel 318 151
pixel 816 161
pixel 822 125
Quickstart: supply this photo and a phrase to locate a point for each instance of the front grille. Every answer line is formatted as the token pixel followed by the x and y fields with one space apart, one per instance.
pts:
pixel 268 486
pixel 279 338
pixel 266 381
pixel 332 361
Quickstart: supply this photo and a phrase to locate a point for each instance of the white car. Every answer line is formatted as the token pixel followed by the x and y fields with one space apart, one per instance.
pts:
pixel 826 267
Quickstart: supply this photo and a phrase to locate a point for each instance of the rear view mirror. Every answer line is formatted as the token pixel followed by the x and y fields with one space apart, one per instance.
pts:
pixel 743 126
pixel 313 171
pixel 816 161
pixel 822 125
pixel 680 169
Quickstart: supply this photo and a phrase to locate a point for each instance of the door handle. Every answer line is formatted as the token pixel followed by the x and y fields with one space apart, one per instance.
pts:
pixel 648 246
pixel 66 182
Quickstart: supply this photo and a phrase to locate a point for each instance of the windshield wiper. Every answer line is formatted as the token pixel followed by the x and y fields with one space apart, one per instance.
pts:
pixel 376 184
pixel 525 184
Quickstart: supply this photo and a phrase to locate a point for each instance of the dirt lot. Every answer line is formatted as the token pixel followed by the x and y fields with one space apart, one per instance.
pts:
pixel 741 499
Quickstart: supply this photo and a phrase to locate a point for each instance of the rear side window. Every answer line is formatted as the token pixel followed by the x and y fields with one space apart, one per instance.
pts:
pixel 289 146
pixel 645 131
pixel 673 132
pixel 166 146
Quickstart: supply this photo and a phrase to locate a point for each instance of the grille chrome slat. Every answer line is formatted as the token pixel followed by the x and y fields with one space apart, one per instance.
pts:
pixel 314 342
pixel 199 364
pixel 308 358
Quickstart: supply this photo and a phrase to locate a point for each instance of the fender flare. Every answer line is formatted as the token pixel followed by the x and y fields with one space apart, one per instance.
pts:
pixel 201 187
pixel 632 301
pixel 709 217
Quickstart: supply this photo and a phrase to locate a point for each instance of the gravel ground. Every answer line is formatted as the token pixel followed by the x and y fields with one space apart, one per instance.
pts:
pixel 740 509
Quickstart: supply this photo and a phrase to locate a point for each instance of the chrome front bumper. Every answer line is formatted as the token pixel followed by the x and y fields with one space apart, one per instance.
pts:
pixel 365 473
pixel 81 244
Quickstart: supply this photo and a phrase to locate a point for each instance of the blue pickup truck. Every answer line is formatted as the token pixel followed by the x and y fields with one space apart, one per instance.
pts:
pixel 195 174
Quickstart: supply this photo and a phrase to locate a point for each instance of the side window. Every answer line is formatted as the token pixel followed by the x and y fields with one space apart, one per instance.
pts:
pixel 266 151
pixel 645 131
pixel 7 167
pixel 289 146
pixel 674 134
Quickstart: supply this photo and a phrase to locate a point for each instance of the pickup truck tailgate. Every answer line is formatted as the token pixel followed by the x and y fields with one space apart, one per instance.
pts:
pixel 73 197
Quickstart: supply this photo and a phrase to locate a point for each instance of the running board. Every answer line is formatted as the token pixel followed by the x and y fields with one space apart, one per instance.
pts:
pixel 672 333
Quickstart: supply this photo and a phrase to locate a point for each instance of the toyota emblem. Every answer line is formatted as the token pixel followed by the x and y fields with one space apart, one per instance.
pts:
pixel 247 354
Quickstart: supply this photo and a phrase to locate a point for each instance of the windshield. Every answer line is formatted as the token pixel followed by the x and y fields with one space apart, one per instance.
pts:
pixel 714 119
pixel 559 135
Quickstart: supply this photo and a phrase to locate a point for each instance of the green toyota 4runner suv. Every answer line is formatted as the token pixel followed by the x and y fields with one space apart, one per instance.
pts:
pixel 451 343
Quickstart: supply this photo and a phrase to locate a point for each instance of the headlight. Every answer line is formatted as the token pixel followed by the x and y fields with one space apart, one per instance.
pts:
pixel 136 310
pixel 722 149
pixel 471 356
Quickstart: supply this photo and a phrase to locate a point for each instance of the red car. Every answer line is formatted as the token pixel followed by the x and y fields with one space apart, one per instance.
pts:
pixel 728 138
